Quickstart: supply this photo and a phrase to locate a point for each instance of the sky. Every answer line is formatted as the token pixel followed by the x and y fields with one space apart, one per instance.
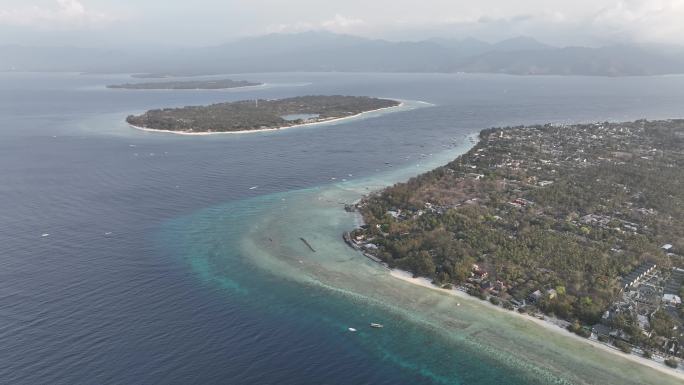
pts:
pixel 208 22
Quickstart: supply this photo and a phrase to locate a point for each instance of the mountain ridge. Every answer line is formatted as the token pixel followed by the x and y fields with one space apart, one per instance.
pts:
pixel 325 51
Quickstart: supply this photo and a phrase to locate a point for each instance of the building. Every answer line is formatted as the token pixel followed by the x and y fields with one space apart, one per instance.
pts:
pixel 551 293
pixel 478 272
pixel 601 330
pixel 637 274
pixel 675 282
pixel 481 274
pixel 643 322
pixel 535 296
pixel 672 299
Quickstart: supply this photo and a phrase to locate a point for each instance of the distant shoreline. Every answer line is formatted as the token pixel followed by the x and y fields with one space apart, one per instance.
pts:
pixel 192 85
pixel 190 89
pixel 320 122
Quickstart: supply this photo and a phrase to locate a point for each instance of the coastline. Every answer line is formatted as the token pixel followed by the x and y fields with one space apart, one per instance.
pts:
pixel 273 245
pixel 547 322
pixel 320 122
pixel 424 282
pixel 243 88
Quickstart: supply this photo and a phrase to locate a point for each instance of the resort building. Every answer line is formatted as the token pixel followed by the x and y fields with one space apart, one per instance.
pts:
pixel 635 276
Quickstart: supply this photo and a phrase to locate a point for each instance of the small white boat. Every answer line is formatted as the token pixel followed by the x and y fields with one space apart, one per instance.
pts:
pixel 352 330
pixel 45 235
pixel 377 326
pixel 253 187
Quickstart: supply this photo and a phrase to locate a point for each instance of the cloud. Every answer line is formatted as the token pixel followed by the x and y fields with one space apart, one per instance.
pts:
pixel 64 14
pixel 596 22
pixel 338 23
pixel 651 21
pixel 576 22
pixel 647 21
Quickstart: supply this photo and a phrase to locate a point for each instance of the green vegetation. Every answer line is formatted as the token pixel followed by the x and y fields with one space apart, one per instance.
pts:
pixel 552 215
pixel 150 76
pixel 671 362
pixel 622 345
pixel 187 85
pixel 577 328
pixel 253 114
pixel 663 324
pixel 626 323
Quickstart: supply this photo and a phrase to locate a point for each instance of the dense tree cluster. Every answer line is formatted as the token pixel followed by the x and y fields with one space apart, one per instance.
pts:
pixel 256 114
pixel 217 84
pixel 564 210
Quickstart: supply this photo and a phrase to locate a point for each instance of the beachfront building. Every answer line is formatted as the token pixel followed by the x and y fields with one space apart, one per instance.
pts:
pixel 672 299
pixel 535 296
pixel 637 274
pixel 676 281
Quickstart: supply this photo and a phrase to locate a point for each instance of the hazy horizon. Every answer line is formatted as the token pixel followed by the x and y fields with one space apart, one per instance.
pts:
pixel 125 23
pixel 346 192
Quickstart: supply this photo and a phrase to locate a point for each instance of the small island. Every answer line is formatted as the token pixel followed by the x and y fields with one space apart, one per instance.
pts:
pixel 580 225
pixel 251 115
pixel 218 84
pixel 150 76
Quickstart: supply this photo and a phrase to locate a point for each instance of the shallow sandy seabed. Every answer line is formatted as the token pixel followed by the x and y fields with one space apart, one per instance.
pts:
pixel 273 244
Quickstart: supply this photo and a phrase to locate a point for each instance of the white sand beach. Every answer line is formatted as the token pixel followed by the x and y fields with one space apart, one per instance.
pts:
pixel 228 89
pixel 319 122
pixel 424 282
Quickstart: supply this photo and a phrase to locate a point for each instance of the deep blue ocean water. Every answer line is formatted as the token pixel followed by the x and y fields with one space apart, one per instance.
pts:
pixel 97 221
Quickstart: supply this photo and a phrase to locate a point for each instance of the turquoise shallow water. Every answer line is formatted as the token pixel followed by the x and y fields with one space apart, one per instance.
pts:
pixel 158 267
pixel 327 310
pixel 252 250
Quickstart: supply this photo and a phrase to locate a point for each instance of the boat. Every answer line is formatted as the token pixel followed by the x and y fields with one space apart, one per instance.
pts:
pixel 377 326
pixel 352 330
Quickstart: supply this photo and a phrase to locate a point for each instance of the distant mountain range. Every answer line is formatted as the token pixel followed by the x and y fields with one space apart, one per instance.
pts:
pixel 322 51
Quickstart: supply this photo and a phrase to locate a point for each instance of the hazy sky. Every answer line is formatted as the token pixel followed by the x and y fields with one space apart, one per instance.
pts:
pixel 206 22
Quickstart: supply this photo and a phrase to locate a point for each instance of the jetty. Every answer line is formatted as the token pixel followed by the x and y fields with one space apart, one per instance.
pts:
pixel 354 245
pixel 347 239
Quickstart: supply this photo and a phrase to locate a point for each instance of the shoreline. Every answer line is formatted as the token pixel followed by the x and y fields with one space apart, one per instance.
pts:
pixel 320 122
pixel 242 88
pixel 424 282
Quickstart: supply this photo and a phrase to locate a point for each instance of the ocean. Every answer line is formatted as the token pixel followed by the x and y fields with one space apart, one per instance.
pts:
pixel 131 257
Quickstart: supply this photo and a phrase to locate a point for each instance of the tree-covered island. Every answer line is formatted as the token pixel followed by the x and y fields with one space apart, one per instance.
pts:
pixel 583 222
pixel 150 75
pixel 259 114
pixel 218 84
